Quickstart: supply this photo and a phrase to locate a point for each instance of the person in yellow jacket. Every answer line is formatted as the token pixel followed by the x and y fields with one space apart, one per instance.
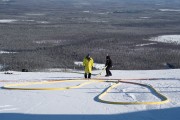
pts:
pixel 88 64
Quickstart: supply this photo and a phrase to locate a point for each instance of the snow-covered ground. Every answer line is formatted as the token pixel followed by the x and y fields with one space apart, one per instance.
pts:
pixel 141 45
pixel 35 14
pixel 50 41
pixel 167 39
pixel 7 20
pixel 82 103
pixel 169 10
pixel 144 17
pixel 5 0
pixel 6 52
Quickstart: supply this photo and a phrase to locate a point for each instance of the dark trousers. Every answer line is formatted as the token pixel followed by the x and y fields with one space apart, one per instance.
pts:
pixel 89 75
pixel 108 72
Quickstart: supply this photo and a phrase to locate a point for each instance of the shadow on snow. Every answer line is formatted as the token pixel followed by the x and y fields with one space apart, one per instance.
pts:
pixel 157 114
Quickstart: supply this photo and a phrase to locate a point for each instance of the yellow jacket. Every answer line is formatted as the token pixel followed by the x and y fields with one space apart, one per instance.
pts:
pixel 88 64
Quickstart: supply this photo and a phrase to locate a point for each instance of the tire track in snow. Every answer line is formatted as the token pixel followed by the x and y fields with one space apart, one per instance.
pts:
pixel 4 106
pixel 132 96
pixel 33 107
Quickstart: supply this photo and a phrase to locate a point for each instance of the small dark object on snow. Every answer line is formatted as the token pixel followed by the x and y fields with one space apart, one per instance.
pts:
pixel 170 66
pixel 24 70
pixel 8 73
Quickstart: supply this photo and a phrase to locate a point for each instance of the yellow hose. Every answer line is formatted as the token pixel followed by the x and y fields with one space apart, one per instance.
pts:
pixel 164 99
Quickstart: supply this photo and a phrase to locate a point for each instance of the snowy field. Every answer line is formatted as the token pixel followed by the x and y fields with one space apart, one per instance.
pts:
pixel 167 39
pixel 7 20
pixel 169 10
pixel 82 103
pixel 7 52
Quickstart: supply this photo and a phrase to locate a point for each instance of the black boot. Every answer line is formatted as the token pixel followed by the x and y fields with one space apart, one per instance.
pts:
pixel 89 75
pixel 110 74
pixel 85 75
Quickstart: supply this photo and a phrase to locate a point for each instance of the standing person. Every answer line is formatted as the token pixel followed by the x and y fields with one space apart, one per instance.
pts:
pixel 88 64
pixel 108 66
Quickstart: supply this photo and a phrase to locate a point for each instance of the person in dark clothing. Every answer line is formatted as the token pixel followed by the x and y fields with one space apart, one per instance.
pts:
pixel 108 66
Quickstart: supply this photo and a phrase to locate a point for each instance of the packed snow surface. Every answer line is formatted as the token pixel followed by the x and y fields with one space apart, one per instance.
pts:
pixel 82 103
